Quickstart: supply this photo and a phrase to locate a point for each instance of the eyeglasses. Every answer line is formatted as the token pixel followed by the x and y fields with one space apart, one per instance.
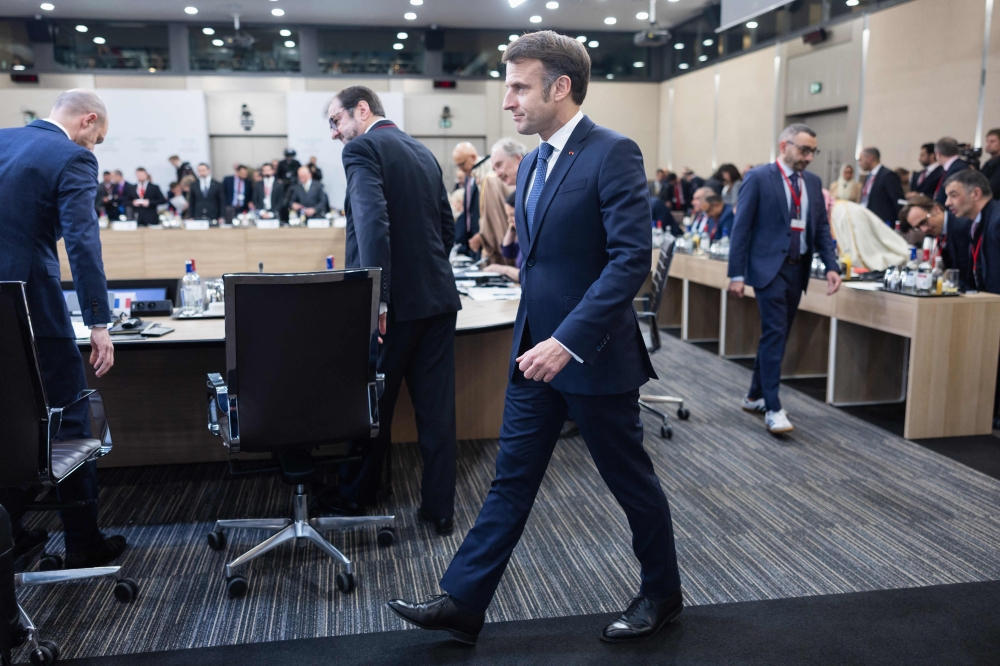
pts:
pixel 922 223
pixel 806 150
pixel 335 119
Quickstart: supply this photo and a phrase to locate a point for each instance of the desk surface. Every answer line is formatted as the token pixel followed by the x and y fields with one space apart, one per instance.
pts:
pixel 474 317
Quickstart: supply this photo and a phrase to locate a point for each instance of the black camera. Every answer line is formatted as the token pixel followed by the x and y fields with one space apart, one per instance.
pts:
pixel 970 155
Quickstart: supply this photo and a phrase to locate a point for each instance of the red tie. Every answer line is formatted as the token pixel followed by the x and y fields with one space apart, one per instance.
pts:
pixel 142 190
pixel 678 194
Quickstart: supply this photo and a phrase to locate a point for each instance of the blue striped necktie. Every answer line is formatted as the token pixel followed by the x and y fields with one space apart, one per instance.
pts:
pixel 541 168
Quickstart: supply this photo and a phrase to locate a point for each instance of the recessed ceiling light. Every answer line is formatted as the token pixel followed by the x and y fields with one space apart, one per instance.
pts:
pixel 152 69
pixel 289 44
pixel 218 42
pixel 673 0
pixel 81 28
pixel 397 46
pixel 702 58
pixel 552 5
pixel 190 10
pixel 707 42
pixel 99 40
pixel 47 6
pixel 679 45
pixel 535 19
pixel 208 31
pixel 852 3
pixel 683 65
pixel 515 3
pixel 410 16
pixel 638 63
pixel 609 77
pixel 402 35
pixel 277 11
pixel 752 24
pixel 642 16
pixel 285 33
pixel 593 43
pixel 513 38
pixel 582 39
pixel 19 68
pixel 417 2
pixel 495 74
pixel 611 20
pixel 502 47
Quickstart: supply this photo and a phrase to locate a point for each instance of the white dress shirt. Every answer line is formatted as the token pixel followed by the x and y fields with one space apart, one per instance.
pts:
pixel 866 189
pixel 268 188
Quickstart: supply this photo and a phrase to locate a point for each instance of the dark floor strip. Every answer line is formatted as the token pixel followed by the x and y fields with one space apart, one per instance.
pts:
pixel 945 624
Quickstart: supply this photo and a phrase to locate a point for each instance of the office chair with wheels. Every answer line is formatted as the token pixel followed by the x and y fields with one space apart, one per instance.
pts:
pixel 650 314
pixel 31 454
pixel 301 354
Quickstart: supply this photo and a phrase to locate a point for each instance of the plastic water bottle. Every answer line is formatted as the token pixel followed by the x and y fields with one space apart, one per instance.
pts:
pixel 329 263
pixel 192 293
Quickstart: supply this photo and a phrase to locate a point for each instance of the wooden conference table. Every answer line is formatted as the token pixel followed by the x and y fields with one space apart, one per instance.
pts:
pixel 939 355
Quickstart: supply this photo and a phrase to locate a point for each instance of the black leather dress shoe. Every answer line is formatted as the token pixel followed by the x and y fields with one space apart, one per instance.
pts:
pixel 643 618
pixel 440 613
pixel 443 526
pixel 108 551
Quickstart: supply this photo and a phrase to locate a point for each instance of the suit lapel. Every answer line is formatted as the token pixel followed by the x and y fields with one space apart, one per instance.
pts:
pixel 565 162
pixel 520 218
pixel 777 181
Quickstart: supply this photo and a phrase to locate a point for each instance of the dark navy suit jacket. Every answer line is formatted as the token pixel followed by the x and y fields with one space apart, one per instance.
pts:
pixel 884 195
pixel 723 226
pixel 762 231
pixel 399 219
pixel 47 186
pixel 987 269
pixel 958 165
pixel 588 257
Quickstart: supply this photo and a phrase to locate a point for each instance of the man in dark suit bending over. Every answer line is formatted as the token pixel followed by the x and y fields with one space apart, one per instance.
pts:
pixel 582 215
pixel 399 219
pixel 780 221
pixel 47 176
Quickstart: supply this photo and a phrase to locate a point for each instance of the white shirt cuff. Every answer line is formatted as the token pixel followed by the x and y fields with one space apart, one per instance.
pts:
pixel 737 279
pixel 575 357
pixel 383 307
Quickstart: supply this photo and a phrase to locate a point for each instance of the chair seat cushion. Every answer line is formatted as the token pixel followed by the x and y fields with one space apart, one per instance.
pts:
pixel 67 454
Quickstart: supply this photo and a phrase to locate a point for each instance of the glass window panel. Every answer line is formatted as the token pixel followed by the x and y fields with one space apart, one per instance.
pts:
pixel 252 49
pixel 474 52
pixel 15 50
pixel 86 44
pixel 370 51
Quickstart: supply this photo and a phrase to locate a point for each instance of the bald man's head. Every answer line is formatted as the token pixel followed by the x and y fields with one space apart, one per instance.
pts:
pixel 84 116
pixel 465 157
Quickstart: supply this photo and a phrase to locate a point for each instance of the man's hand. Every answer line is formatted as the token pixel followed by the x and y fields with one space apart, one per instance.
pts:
pixel 476 243
pixel 832 282
pixel 309 211
pixel 736 288
pixel 381 325
pixel 296 206
pixel 102 351
pixel 543 361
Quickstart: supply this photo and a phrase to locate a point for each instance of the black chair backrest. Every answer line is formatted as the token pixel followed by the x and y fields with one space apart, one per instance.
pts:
pixel 662 271
pixel 24 412
pixel 301 354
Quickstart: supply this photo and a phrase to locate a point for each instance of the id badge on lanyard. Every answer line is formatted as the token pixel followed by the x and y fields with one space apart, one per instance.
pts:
pixel 798 225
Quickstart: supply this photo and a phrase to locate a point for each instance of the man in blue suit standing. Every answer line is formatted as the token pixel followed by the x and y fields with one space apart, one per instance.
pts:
pixel 780 221
pixel 582 214
pixel 48 176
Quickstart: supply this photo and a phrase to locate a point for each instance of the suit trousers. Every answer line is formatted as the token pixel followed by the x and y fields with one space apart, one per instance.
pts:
pixel 534 413
pixel 63 376
pixel 778 302
pixel 8 601
pixel 423 353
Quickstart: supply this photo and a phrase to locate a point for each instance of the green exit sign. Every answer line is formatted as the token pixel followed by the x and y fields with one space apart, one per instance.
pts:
pixel 815 88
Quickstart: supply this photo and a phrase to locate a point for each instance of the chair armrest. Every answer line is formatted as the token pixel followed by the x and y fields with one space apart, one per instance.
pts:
pixel 96 404
pixel 375 390
pixel 222 420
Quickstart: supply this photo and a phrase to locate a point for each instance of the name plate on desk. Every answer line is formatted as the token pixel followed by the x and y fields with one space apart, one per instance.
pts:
pixel 269 224
pixel 130 225
pixel 318 223
pixel 196 225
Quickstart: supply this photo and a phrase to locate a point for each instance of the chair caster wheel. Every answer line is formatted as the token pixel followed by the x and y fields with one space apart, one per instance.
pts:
pixel 345 582
pixel 126 590
pixel 666 432
pixel 683 413
pixel 216 540
pixel 386 536
pixel 50 563
pixel 46 654
pixel 237 587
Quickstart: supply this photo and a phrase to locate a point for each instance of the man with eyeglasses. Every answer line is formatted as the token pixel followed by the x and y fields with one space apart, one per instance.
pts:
pixel 951 234
pixel 882 190
pixel 780 221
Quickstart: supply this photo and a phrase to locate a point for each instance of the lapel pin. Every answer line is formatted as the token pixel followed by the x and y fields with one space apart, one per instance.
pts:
pixel 571 152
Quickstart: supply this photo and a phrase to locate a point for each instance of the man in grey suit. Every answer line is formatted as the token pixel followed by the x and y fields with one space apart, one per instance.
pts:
pixel 308 197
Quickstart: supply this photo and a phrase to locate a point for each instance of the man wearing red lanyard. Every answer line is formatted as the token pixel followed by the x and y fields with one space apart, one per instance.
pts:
pixel 780 221
pixel 970 195
pixel 950 233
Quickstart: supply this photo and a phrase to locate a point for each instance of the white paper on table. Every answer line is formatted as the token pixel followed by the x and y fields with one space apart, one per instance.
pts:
pixel 196 225
pixel 80 330
pixel 495 293
pixel 863 286
pixel 124 225
pixel 465 283
pixel 340 222
pixel 479 274
pixel 273 223
pixel 318 223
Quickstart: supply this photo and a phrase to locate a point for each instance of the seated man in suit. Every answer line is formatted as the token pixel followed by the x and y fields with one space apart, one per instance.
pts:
pixel 308 197
pixel 237 191
pixel 119 196
pixel 991 168
pixel 269 193
pixel 467 223
pixel 105 190
pixel 720 217
pixel 925 181
pixel 206 198
pixel 951 234
pixel 699 210
pixel 882 190
pixel 144 197
pixel 946 151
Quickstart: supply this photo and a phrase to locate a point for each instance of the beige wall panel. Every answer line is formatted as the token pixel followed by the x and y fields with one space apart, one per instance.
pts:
pixel 746 109
pixel 223 83
pixel 664 126
pixel 837 68
pixel 632 109
pixel 424 111
pixel 57 81
pixel 152 82
pixel 991 111
pixel 691 136
pixel 14 103
pixel 269 109
pixel 919 88
pixel 337 84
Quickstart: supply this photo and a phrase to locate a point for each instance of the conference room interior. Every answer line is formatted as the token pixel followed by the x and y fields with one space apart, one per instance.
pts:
pixel 869 534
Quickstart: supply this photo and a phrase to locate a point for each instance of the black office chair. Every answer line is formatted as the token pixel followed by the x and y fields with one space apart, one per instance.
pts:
pixel 301 354
pixel 650 315
pixel 31 454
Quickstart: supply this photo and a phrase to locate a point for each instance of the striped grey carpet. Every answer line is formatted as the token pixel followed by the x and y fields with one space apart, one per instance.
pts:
pixel 840 506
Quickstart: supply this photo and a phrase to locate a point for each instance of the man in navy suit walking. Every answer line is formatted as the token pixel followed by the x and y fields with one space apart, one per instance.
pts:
pixel 582 214
pixel 780 221
pixel 48 176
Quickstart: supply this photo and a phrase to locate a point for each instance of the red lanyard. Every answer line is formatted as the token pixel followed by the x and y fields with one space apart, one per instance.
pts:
pixel 975 251
pixel 796 198
pixel 384 126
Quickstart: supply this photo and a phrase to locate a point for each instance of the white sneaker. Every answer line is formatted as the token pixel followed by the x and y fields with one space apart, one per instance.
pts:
pixel 756 406
pixel 777 422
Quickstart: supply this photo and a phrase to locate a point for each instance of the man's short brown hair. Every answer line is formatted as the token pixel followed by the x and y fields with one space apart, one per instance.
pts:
pixel 926 204
pixel 994 132
pixel 559 54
